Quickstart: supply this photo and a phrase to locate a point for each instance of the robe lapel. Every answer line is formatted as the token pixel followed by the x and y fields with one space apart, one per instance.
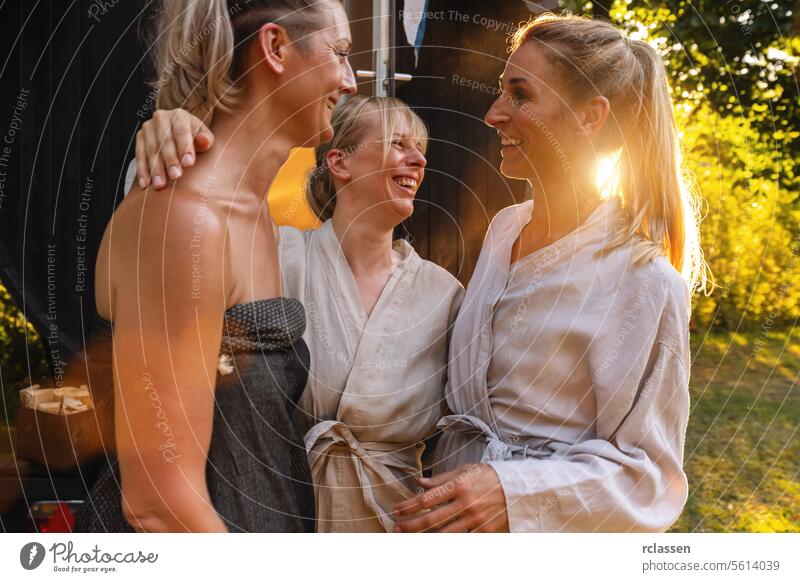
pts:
pixel 342 286
pixel 367 336
pixel 376 338
pixel 472 343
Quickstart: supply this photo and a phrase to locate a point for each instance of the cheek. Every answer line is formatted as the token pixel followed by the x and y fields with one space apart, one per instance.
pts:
pixel 542 129
pixel 320 79
pixel 331 75
pixel 369 176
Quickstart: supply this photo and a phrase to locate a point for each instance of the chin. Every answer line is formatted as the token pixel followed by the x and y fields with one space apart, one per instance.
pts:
pixel 512 170
pixel 404 209
pixel 323 136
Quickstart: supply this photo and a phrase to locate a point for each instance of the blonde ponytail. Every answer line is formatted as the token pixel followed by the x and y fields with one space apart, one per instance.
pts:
pixel 660 212
pixel 199 45
pixel 660 204
pixel 194 56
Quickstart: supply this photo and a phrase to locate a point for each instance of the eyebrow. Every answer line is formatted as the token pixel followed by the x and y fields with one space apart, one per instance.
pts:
pixel 515 81
pixel 347 42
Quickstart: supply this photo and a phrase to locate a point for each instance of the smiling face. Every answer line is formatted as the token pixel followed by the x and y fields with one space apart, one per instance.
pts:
pixel 532 117
pixel 323 75
pixel 382 176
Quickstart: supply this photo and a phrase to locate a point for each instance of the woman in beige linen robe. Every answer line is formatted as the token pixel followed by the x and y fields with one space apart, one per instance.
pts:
pixel 375 387
pixel 378 316
pixel 379 353
pixel 569 366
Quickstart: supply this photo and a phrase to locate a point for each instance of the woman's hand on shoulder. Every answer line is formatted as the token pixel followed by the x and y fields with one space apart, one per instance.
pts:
pixel 167 143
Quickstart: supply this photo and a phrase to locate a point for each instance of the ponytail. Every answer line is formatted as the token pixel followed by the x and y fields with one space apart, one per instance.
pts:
pixel 200 44
pixel 194 56
pixel 660 206
pixel 659 210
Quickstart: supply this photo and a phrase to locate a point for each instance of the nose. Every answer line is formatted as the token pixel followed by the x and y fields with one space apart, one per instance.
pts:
pixel 417 159
pixel 349 85
pixel 496 114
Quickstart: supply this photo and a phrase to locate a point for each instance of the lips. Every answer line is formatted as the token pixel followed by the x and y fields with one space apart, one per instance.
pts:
pixel 332 103
pixel 507 141
pixel 408 183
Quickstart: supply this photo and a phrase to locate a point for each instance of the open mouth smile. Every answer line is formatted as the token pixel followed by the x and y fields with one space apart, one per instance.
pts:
pixel 407 183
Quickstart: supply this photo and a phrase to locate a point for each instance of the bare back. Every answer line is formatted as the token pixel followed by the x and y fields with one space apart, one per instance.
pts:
pixel 169 266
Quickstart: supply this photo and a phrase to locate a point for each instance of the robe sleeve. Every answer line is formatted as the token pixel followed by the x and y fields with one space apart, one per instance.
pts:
pixel 631 481
pixel 130 176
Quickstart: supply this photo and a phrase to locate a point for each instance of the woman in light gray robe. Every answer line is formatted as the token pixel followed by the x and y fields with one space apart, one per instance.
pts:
pixel 569 377
pixel 569 366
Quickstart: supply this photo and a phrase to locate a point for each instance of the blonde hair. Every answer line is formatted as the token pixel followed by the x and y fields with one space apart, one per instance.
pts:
pixel 660 211
pixel 350 125
pixel 200 45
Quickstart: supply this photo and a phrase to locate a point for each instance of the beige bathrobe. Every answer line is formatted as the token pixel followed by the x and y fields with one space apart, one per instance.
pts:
pixel 569 376
pixel 376 385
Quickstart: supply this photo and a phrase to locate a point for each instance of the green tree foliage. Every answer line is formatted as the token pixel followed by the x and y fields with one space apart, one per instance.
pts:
pixel 753 255
pixel 22 354
pixel 734 74
pixel 739 56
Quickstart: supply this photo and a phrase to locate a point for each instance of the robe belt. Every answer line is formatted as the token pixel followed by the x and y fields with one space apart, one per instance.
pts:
pixel 472 427
pixel 372 462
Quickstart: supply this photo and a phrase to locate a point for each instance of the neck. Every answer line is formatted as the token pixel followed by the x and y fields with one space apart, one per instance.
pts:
pixel 243 162
pixel 562 204
pixel 367 247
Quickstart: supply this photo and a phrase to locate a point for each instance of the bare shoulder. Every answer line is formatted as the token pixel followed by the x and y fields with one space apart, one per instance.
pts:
pixel 159 238
pixel 180 209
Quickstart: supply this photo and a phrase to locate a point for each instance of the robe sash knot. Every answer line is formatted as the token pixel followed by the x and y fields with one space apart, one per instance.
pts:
pixel 373 463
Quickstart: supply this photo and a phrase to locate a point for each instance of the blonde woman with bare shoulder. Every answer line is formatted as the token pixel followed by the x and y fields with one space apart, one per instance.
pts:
pixel 379 316
pixel 569 365
pixel 178 284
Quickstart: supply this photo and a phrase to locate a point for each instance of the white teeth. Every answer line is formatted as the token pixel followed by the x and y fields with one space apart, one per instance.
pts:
pixel 507 141
pixel 407 182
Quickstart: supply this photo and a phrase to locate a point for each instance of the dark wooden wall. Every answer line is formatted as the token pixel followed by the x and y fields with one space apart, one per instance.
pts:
pixel 463 188
pixel 79 69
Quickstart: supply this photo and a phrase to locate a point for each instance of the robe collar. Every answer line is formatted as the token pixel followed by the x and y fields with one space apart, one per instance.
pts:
pixel 472 340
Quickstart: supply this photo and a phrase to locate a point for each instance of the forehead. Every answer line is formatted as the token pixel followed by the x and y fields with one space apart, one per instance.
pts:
pixel 531 62
pixel 372 120
pixel 335 26
pixel 402 125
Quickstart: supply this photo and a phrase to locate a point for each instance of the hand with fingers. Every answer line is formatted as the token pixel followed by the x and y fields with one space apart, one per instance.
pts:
pixel 467 499
pixel 168 143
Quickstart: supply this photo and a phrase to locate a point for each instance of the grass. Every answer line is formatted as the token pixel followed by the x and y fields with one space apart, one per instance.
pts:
pixel 743 441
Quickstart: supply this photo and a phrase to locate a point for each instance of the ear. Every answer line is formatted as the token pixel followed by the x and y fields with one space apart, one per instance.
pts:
pixel 593 116
pixel 337 164
pixel 273 42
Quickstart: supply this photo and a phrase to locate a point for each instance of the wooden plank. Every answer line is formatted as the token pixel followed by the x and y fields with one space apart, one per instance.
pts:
pixel 55 148
pixel 443 172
